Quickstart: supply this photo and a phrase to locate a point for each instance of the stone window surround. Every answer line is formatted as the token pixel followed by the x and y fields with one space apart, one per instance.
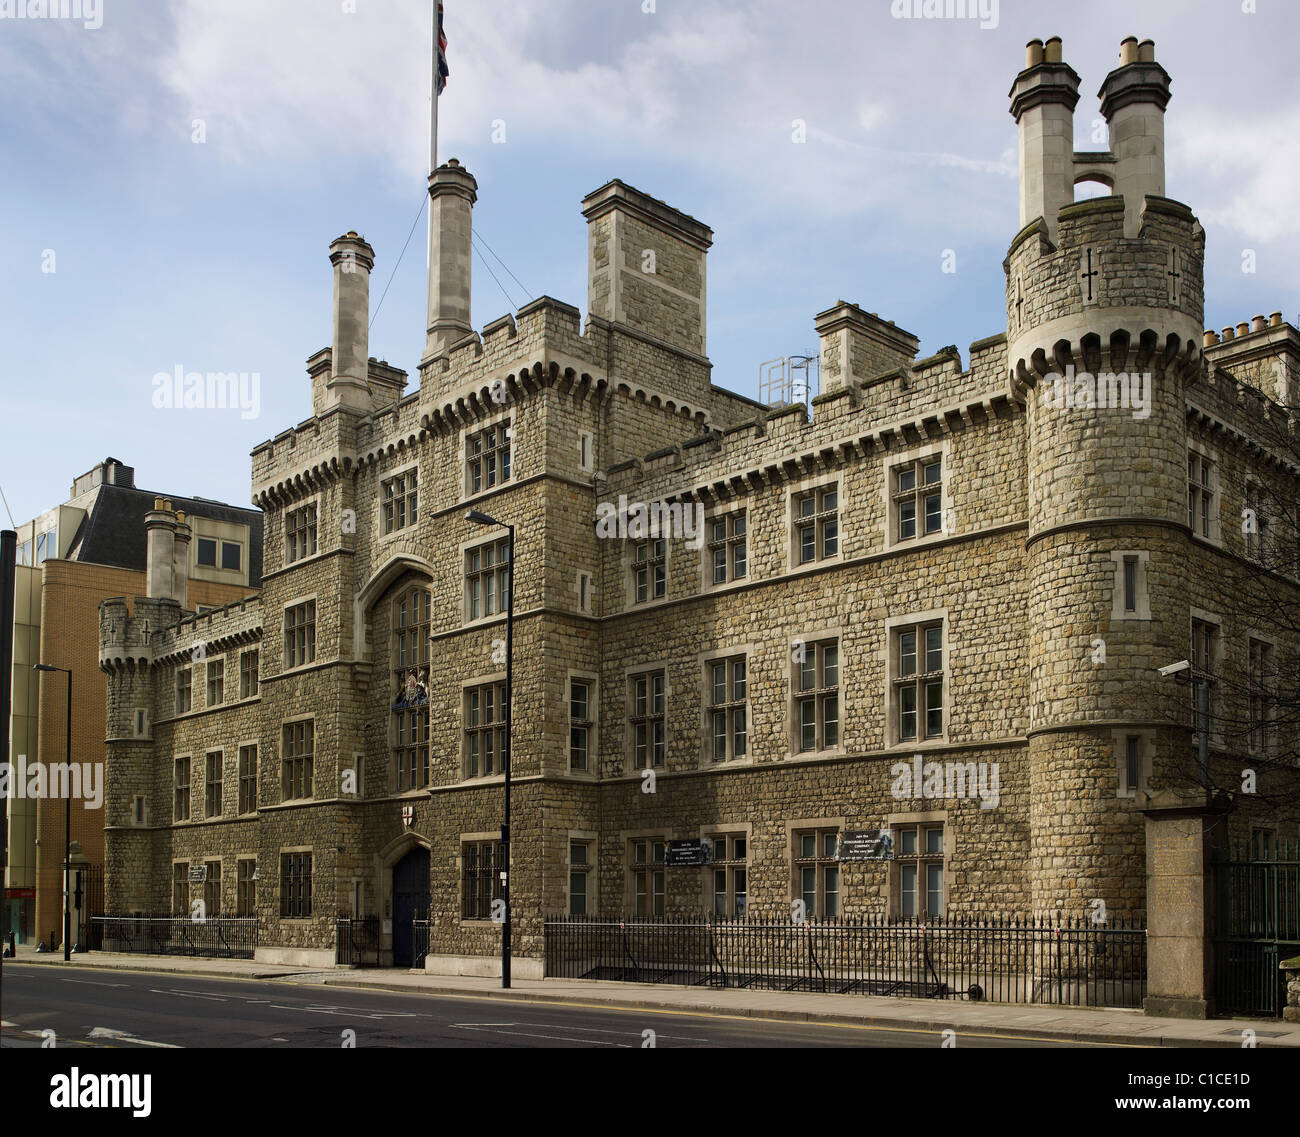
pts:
pixel 281 853
pixel 1271 693
pixel 627 837
pixel 141 724
pixel 592 679
pixel 798 824
pixel 359 769
pixel 1216 697
pixel 207 861
pixel 590 838
pixel 587 609
pixel 628 559
pixel 240 859
pixel 894 624
pixel 297 600
pixel 387 476
pixel 736 829
pixel 717 513
pixel 921 818
pixel 797 489
pixel 1261 539
pixel 589 437
pixel 306 503
pixel 219 657
pixel 1195 446
pixel 792 736
pixel 293 720
pixel 488 422
pixel 256 650
pixel 1141 595
pixel 630 671
pixel 1146 757
pixel 494 678
pixel 493 835
pixel 890 463
pixel 704 659
pixel 189 813
pixel 462 551
pixel 174 882
pixel 242 744
pixel 176 689
pixel 220 752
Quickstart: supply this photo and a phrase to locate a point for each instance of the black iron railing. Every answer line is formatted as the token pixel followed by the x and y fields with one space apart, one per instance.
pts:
pixel 356 941
pixel 1258 926
pixel 419 942
pixel 1073 962
pixel 216 937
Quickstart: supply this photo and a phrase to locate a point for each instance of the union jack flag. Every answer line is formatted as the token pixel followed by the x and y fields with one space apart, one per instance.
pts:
pixel 443 70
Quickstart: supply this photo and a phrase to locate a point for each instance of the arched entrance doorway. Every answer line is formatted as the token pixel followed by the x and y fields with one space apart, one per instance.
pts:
pixel 410 902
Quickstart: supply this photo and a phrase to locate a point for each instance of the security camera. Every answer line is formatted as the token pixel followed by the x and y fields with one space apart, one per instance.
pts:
pixel 1175 668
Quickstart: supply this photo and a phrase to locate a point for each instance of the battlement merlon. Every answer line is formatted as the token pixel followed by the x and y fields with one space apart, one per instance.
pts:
pixel 157 630
pixel 924 399
pixel 1096 281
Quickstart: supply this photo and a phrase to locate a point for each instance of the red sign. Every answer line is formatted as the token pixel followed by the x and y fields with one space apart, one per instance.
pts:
pixel 20 893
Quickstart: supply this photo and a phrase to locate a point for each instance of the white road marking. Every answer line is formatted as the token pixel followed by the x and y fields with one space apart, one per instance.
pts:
pixel 189 995
pixel 346 1012
pixel 126 1036
pixel 87 982
pixel 557 1037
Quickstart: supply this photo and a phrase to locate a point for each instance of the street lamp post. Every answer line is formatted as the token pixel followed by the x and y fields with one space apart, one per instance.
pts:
pixel 67 817
pixel 483 519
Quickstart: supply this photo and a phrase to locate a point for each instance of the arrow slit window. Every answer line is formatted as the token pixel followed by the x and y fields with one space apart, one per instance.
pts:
pixel 410 636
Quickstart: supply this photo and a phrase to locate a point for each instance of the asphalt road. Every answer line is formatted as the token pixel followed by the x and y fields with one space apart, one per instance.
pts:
pixel 131 1008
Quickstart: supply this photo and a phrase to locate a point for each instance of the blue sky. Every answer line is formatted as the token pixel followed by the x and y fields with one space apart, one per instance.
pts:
pixel 213 255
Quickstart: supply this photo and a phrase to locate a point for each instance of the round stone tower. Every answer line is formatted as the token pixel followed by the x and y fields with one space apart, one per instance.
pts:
pixel 1104 319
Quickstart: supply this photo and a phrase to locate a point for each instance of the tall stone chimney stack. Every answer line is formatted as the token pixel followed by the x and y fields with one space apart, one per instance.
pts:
pixel 452 193
pixel 181 560
pixel 1043 99
pixel 160 551
pixel 353 259
pixel 1133 101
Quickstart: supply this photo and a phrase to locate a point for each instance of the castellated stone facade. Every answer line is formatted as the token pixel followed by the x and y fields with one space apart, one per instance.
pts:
pixel 943 558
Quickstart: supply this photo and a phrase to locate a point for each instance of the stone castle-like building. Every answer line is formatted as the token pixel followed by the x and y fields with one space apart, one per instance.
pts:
pixel 925 566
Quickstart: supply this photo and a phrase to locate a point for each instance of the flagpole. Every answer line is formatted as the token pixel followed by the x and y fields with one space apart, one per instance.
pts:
pixel 433 129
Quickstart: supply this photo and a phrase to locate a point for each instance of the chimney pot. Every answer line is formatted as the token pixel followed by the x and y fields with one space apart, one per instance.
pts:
pixel 1275 319
pixel 1211 338
pixel 1243 329
pixel 1033 53
pixel 1258 324
pixel 1228 336
pixel 1052 50
pixel 1128 51
pixel 1147 51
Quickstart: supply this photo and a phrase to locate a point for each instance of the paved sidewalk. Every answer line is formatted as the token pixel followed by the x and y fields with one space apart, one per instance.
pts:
pixel 1117 1027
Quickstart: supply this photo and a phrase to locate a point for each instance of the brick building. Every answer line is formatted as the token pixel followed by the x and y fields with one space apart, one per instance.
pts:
pixel 925 566
pixel 70 559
